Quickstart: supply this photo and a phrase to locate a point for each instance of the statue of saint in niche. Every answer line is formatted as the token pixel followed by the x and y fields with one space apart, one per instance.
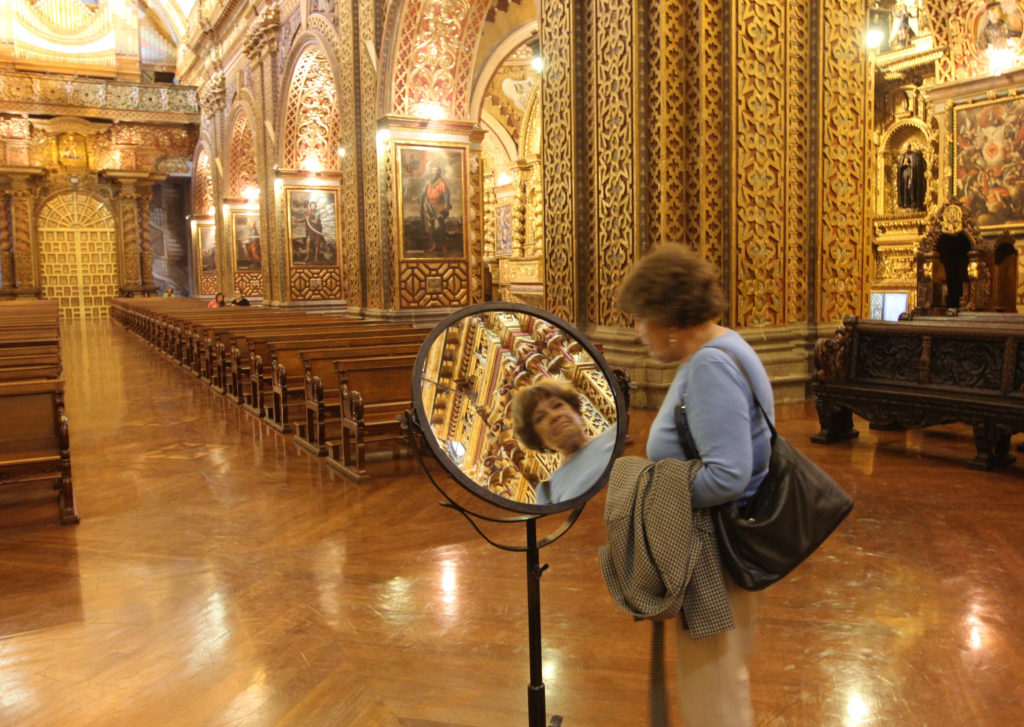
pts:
pixel 910 180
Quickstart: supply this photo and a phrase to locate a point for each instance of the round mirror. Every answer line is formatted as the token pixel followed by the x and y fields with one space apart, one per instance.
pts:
pixel 519 407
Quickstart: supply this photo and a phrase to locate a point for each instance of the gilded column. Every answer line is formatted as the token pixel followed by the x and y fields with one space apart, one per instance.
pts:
pixel 145 250
pixel 261 52
pixel 374 276
pixel 561 113
pixel 843 137
pixel 128 221
pixel 7 277
pixel 25 258
pixel 211 108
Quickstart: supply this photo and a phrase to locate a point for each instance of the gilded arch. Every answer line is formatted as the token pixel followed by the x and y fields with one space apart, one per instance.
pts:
pixel 242 169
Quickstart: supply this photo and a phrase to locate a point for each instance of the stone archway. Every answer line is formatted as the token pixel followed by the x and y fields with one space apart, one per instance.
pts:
pixel 78 254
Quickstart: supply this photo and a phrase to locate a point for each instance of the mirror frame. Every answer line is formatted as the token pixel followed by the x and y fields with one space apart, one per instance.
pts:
pixel 457 474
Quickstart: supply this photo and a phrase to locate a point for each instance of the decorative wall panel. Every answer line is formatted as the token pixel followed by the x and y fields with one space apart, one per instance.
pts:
pixel 376 265
pixel 242 173
pixel 78 255
pixel 615 157
pixel 841 234
pixel 559 158
pixel 434 54
pixel 250 283
pixel 128 215
pixel 202 185
pixel 797 247
pixel 433 285
pixel 315 284
pixel 312 127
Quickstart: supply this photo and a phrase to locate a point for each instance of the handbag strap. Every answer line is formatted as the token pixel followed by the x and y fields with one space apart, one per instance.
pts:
pixel 680 419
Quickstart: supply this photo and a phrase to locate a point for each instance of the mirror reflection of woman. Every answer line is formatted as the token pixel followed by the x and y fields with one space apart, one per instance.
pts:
pixel 676 301
pixel 547 416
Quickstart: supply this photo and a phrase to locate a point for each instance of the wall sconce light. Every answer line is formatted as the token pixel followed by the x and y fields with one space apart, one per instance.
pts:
pixel 1000 60
pixel 430 110
pixel 341 152
pixel 503 179
pixel 251 194
pixel 278 184
pixel 212 211
pixel 226 208
pixel 537 63
pixel 312 164
pixel 383 137
pixel 877 37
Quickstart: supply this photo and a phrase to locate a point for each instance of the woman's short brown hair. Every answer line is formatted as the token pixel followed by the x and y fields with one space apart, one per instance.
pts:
pixel 673 286
pixel 526 400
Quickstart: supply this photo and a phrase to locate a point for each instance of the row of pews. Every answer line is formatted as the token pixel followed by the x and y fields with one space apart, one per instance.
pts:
pixel 35 449
pixel 335 382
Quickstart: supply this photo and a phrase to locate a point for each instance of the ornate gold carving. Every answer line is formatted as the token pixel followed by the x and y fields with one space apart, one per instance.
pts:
pixel 128 213
pixel 842 194
pixel 144 236
pixel 433 284
pixel 242 172
pixel 121 101
pixel 208 284
pixel 7 279
pixel 311 122
pixel 262 37
pixel 895 266
pixel 315 284
pixel 250 283
pixel 559 159
pixel 434 55
pixel 374 255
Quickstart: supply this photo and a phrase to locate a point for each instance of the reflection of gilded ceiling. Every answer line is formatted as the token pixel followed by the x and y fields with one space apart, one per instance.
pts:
pixel 472 372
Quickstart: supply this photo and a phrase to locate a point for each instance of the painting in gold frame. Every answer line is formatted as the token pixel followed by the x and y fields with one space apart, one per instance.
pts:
pixel 245 236
pixel 206 245
pixel 432 208
pixel 988 161
pixel 312 231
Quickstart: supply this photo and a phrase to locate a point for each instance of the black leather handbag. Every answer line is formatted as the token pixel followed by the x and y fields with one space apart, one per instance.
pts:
pixel 794 510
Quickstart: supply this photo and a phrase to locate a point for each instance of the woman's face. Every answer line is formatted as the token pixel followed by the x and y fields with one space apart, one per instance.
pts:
pixel 559 426
pixel 661 341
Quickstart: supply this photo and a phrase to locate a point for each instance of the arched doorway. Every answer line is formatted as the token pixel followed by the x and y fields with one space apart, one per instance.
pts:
pixel 78 255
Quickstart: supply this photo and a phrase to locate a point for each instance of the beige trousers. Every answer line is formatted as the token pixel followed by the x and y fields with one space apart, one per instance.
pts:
pixel 713 683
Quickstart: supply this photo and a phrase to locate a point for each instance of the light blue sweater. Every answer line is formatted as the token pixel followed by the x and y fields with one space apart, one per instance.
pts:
pixel 727 427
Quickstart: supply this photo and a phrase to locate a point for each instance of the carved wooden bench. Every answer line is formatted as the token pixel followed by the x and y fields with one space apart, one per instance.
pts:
pixel 322 424
pixel 287 400
pixel 923 372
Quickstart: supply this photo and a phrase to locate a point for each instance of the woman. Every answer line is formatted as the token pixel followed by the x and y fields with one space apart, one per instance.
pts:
pixel 239 299
pixel 676 301
pixel 547 416
pixel 217 302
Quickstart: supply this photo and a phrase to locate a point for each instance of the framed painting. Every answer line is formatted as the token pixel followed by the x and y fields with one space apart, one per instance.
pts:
pixel 988 164
pixel 503 229
pixel 207 235
pixel 432 208
pixel 312 226
pixel 245 234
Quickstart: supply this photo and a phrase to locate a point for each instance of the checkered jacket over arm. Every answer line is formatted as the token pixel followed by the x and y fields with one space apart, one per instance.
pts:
pixel 662 557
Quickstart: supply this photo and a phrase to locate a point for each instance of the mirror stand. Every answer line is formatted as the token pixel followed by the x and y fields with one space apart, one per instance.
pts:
pixel 534 570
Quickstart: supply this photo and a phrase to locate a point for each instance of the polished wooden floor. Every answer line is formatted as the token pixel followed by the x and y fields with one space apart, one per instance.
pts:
pixel 222 576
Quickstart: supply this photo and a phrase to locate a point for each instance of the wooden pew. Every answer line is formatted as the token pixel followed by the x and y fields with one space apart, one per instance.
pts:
pixel 373 395
pixel 260 358
pixel 288 393
pixel 322 423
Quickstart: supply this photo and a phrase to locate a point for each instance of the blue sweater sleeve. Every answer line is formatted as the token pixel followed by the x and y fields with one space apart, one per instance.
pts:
pixel 718 415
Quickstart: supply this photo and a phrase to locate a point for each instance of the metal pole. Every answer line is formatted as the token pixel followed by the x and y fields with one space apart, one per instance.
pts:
pixel 535 692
